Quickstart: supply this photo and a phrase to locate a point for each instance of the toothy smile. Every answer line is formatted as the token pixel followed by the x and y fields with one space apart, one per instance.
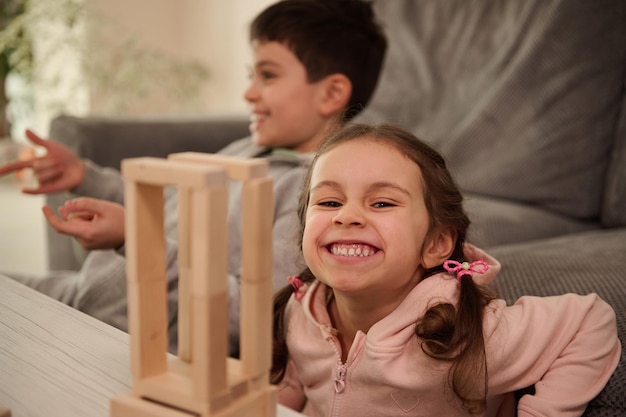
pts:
pixel 352 249
pixel 256 119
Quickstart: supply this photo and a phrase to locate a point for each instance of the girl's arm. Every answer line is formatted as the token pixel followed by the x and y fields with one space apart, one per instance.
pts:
pixel 566 346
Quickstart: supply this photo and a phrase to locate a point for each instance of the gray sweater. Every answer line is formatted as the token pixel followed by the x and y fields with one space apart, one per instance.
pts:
pixel 99 288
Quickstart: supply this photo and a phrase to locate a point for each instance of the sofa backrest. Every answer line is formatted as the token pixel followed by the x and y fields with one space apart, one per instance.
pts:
pixel 107 140
pixel 614 207
pixel 522 97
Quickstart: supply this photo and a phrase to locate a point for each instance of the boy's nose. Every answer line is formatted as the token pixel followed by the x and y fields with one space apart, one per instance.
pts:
pixel 251 94
pixel 349 215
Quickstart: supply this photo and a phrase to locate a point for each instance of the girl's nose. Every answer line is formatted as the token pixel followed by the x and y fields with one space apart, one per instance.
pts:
pixel 349 215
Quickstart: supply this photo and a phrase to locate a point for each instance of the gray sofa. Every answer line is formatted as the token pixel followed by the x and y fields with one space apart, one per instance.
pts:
pixel 526 99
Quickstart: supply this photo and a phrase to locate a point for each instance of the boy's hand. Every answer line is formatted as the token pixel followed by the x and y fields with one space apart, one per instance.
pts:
pixel 95 224
pixel 58 170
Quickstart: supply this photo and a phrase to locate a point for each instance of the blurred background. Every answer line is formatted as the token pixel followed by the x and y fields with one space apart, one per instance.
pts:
pixel 108 57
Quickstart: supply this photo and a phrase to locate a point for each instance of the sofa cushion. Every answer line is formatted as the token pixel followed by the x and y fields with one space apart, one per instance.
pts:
pixel 614 208
pixel 589 262
pixel 522 97
pixel 496 222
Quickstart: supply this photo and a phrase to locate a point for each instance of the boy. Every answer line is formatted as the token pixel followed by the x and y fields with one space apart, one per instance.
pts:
pixel 316 64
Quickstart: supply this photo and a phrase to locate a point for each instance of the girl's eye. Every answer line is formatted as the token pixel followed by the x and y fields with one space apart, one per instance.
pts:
pixel 333 204
pixel 382 204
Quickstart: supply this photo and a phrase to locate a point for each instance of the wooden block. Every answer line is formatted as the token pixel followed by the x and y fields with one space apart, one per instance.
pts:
pixel 147 323
pixel 260 403
pixel 184 273
pixel 130 406
pixel 159 171
pixel 185 318
pixel 145 235
pixel 209 252
pixel 210 345
pixel 237 168
pixel 173 389
pixel 202 381
pixel 176 388
pixel 257 226
pixel 256 328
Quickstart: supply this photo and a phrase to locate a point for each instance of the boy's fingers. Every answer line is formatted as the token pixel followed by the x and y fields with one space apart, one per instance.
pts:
pixel 36 139
pixel 84 214
pixel 51 217
pixel 16 166
pixel 84 205
pixel 61 226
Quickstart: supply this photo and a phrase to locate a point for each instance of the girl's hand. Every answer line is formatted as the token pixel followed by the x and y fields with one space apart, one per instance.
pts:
pixel 95 224
pixel 58 170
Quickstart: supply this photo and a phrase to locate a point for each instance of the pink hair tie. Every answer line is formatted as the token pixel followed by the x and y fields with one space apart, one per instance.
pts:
pixel 299 289
pixel 465 268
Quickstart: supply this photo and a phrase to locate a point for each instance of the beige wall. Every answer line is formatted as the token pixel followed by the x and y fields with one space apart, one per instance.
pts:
pixel 212 31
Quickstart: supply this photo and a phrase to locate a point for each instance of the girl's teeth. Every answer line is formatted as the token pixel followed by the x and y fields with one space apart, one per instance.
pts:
pixel 358 250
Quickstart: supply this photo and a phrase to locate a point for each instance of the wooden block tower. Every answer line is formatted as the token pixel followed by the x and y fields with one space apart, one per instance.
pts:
pixel 202 380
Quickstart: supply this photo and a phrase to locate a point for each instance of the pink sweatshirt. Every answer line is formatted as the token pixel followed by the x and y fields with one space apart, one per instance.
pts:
pixel 566 345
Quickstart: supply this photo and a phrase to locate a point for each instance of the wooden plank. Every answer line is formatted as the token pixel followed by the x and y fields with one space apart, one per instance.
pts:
pixel 185 319
pixel 209 251
pixel 256 328
pixel 257 226
pixel 210 339
pixel 256 277
pixel 237 168
pixel 130 406
pixel 147 325
pixel 145 235
pixel 160 171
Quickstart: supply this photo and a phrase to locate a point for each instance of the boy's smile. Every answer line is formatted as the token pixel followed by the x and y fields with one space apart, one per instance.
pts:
pixel 283 103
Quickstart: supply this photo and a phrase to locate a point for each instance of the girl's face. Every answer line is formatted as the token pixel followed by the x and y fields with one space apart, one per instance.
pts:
pixel 283 104
pixel 366 220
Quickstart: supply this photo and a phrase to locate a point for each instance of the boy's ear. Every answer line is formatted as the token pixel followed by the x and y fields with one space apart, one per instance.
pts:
pixel 439 248
pixel 335 94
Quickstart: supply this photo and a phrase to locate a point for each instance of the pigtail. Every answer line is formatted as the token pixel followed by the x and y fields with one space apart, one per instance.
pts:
pixel 456 335
pixel 280 352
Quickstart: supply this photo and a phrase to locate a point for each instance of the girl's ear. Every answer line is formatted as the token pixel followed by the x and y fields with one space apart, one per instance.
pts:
pixel 336 90
pixel 439 248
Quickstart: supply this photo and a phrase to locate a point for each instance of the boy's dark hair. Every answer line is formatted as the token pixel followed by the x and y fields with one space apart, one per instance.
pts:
pixel 446 332
pixel 329 37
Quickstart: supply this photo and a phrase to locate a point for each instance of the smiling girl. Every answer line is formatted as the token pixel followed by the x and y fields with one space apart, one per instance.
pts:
pixel 393 315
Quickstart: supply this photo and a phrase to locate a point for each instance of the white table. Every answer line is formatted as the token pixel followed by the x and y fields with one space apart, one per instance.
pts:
pixel 58 362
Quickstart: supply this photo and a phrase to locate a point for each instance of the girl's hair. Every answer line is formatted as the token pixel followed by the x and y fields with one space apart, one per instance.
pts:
pixel 447 332
pixel 329 37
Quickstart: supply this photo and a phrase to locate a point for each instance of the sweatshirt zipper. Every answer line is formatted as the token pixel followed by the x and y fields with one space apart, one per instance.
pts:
pixel 340 379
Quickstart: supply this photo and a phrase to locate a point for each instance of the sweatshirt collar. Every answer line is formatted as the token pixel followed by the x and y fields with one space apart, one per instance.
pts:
pixel 396 329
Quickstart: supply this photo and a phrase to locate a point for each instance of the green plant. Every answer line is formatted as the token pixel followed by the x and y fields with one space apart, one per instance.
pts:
pixel 38 36
pixel 15 52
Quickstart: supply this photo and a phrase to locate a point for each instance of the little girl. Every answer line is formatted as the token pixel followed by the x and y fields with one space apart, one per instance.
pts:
pixel 392 315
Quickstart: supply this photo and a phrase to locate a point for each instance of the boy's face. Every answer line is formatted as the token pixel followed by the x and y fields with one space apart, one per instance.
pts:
pixel 284 105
